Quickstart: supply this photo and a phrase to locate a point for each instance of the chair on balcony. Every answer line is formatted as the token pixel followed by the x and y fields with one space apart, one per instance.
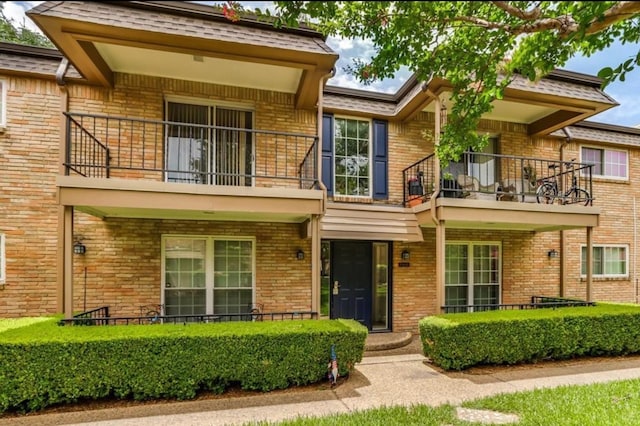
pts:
pixel 512 190
pixel 471 188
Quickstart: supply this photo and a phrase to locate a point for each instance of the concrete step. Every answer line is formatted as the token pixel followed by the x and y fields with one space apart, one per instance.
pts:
pixel 385 341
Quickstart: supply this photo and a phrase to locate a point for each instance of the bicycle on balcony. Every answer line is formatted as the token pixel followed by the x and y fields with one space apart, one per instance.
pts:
pixel 548 190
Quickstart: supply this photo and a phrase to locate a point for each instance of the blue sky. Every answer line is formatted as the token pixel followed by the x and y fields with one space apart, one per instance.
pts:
pixel 626 93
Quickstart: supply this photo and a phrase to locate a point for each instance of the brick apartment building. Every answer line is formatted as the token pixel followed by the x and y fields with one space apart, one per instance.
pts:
pixel 163 155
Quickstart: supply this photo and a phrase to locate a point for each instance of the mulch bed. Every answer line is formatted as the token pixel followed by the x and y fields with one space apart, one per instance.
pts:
pixel 107 403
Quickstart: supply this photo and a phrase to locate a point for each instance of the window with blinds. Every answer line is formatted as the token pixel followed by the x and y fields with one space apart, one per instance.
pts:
pixel 208 144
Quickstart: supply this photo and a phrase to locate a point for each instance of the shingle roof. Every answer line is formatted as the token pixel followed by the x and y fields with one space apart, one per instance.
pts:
pixel 359 105
pixel 198 25
pixel 602 133
pixel 17 58
pixel 560 87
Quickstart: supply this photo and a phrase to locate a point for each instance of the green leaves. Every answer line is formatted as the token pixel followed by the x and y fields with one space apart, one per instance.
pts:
pixel 11 32
pixel 459 341
pixel 44 364
pixel 471 43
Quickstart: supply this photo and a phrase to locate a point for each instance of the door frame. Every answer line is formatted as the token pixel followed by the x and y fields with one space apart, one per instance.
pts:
pixel 389 300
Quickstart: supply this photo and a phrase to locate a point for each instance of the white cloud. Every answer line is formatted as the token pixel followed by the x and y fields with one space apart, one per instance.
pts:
pixel 15 11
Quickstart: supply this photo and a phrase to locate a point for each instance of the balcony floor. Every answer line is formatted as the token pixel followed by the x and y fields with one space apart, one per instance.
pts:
pixel 161 200
pixel 507 215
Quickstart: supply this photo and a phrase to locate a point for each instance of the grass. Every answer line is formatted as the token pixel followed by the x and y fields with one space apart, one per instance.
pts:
pixel 11 323
pixel 602 404
pixel 614 403
pixel 417 415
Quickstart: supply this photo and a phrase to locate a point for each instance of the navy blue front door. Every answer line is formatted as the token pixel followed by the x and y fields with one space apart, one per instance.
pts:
pixel 351 281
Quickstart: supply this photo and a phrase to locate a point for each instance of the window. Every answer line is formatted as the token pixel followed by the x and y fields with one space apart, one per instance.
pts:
pixel 472 274
pixel 207 275
pixel 609 261
pixel 606 162
pixel 3 103
pixel 2 259
pixel 352 162
pixel 355 157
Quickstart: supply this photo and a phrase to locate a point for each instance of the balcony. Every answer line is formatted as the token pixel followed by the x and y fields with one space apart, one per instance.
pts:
pixel 127 167
pixel 495 191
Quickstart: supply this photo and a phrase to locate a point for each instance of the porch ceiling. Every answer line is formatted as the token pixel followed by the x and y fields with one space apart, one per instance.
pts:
pixel 107 198
pixel 544 107
pixel 184 41
pixel 514 216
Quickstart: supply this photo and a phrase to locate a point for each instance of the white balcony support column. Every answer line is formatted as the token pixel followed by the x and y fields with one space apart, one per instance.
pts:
pixel 315 264
pixel 440 264
pixel 67 261
pixel 589 261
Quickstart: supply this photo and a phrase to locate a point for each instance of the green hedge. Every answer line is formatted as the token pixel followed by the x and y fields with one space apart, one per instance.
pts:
pixel 459 341
pixel 44 364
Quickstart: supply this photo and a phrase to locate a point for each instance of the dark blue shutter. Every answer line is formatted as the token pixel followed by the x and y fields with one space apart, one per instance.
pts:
pixel 327 152
pixel 380 160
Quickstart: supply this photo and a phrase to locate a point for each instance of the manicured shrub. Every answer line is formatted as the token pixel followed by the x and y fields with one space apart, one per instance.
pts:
pixel 459 341
pixel 44 364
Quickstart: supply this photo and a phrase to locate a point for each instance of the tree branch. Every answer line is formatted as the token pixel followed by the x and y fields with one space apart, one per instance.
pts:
pixel 563 24
pixel 530 15
pixel 618 12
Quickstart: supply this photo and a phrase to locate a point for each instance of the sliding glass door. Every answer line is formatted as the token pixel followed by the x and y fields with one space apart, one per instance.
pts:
pixel 197 152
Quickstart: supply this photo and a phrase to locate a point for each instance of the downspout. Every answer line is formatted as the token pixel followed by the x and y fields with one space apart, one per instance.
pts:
pixel 321 85
pixel 436 161
pixel 440 225
pixel 316 243
pixel 635 248
pixel 563 238
pixel 64 262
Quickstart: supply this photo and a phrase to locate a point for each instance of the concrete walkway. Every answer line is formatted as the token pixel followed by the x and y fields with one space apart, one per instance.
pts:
pixel 376 381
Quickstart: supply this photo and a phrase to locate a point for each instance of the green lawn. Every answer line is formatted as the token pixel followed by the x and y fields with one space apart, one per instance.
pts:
pixel 615 403
pixel 10 323
pixel 604 404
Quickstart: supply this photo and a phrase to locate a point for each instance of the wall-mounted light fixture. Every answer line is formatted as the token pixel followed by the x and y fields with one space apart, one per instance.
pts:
pixel 443 117
pixel 79 248
pixel 553 253
pixel 405 255
pixel 300 254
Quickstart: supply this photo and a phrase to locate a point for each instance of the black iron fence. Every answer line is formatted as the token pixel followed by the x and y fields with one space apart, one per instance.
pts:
pixel 497 177
pixel 537 302
pixel 85 318
pixel 101 146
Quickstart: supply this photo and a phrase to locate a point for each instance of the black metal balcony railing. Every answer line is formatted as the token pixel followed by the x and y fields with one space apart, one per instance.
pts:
pixel 502 178
pixel 537 302
pixel 105 147
pixel 419 178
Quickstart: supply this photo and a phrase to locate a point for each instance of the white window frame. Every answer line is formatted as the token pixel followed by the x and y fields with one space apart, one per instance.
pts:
pixel 470 270
pixel 370 156
pixel 604 246
pixel 604 150
pixel 2 260
pixel 209 264
pixel 3 104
